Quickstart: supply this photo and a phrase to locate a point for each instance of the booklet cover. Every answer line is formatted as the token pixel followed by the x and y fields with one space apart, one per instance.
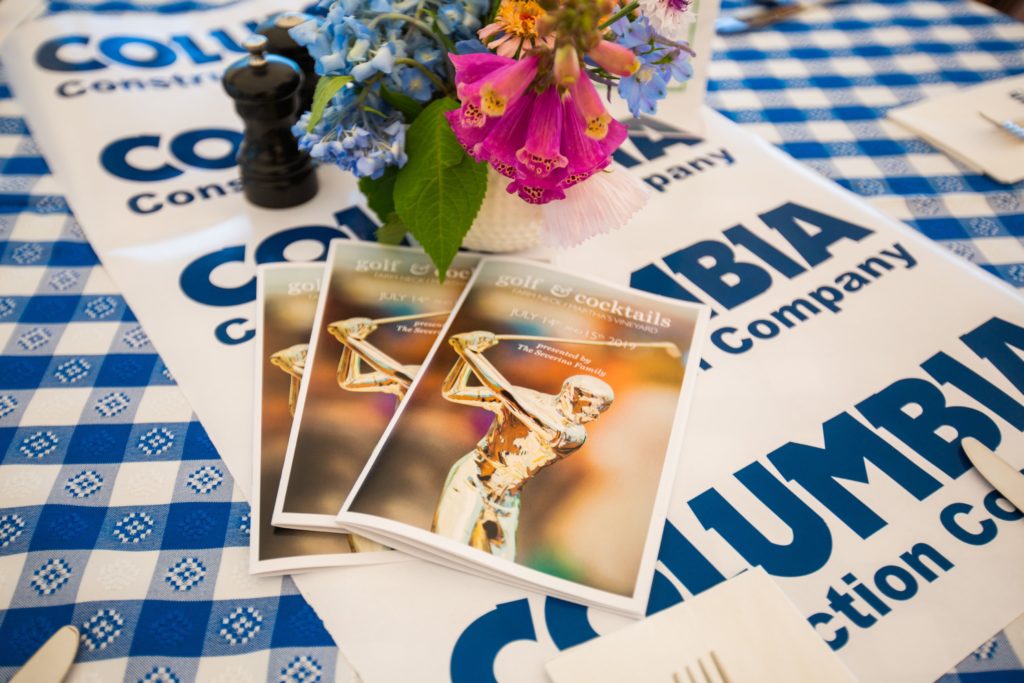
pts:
pixel 982 126
pixel 286 299
pixel 378 317
pixel 545 424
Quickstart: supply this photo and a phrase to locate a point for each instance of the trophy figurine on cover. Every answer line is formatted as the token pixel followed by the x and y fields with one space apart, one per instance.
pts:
pixel 386 375
pixel 293 361
pixel 479 505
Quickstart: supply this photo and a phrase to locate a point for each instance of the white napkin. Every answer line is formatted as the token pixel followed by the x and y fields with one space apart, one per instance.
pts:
pixel 756 633
pixel 957 124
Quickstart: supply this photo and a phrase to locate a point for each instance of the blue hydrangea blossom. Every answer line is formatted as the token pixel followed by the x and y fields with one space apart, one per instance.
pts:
pixel 395 44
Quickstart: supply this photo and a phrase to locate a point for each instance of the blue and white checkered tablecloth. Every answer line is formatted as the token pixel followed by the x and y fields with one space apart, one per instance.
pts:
pixel 116 513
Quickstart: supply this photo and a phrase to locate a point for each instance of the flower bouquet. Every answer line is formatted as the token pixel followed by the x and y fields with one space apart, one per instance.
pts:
pixel 455 112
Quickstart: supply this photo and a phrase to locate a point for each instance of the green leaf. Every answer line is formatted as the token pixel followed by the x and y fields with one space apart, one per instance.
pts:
pixel 326 88
pixel 439 191
pixel 393 231
pixel 409 107
pixel 379 193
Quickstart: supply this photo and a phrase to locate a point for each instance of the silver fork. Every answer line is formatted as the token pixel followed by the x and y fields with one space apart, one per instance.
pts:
pixel 700 672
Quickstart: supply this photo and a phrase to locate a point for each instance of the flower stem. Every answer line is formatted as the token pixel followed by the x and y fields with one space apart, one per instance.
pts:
pixel 418 23
pixel 685 47
pixel 441 85
pixel 598 78
pixel 397 16
pixel 618 15
pixel 365 90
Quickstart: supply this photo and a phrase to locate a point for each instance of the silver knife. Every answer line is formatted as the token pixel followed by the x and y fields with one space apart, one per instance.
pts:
pixel 1007 480
pixel 764 14
pixel 51 662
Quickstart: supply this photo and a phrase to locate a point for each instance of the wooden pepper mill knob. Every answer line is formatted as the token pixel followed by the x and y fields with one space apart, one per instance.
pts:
pixel 266 90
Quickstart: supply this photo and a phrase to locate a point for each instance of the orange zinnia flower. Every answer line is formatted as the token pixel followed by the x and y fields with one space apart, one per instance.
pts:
pixel 514 29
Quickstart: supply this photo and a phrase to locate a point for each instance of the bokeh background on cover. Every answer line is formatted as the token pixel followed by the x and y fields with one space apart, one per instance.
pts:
pixel 340 428
pixel 586 517
pixel 289 303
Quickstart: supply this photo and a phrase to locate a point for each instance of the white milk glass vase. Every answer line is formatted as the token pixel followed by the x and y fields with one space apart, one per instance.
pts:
pixel 505 223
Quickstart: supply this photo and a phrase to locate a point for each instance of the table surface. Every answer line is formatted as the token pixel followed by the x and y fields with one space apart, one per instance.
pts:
pixel 134 530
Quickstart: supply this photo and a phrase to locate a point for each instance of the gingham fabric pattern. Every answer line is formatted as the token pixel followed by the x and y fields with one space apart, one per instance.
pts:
pixel 116 513
pixel 819 87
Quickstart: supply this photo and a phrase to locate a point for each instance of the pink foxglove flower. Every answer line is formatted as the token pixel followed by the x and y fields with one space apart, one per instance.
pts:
pixel 472 67
pixel 584 156
pixel 503 142
pixel 587 156
pixel 544 142
pixel 614 58
pixel 595 117
pixel 539 155
pixel 670 18
pixel 567 65
pixel 496 91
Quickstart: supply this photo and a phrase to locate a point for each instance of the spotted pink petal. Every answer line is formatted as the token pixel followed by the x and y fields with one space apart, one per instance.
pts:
pixel 617 134
pixel 540 155
pixel 592 108
pixel 546 143
pixel 508 136
pixel 499 90
pixel 534 194
pixel 471 127
pixel 584 153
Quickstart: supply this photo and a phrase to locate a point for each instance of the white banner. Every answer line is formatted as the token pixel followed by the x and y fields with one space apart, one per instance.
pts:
pixel 820 443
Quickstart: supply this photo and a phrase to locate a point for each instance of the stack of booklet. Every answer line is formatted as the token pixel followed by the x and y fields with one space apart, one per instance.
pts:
pixel 501 420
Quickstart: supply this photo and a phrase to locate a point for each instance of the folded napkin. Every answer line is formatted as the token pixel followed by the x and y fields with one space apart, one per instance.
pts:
pixel 980 126
pixel 756 633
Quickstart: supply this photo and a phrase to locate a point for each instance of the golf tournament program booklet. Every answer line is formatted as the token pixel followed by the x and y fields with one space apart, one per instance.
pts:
pixel 286 300
pixel 379 314
pixel 538 445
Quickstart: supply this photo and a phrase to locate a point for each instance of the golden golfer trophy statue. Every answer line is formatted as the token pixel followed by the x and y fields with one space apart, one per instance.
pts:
pixel 479 505
pixel 363 366
pixel 293 361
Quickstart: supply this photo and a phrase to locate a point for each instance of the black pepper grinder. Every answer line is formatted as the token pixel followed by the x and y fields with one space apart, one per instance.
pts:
pixel 275 28
pixel 275 173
